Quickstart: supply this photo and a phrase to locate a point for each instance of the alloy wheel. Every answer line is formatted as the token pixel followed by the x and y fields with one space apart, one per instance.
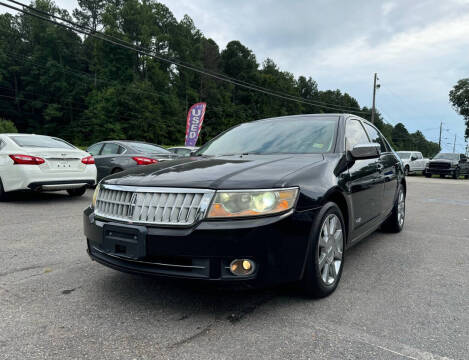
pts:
pixel 330 249
pixel 401 208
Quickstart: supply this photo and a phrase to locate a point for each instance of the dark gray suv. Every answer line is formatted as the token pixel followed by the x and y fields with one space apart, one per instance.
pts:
pixel 114 156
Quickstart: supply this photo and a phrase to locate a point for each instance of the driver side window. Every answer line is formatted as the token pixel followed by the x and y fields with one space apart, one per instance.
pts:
pixel 354 134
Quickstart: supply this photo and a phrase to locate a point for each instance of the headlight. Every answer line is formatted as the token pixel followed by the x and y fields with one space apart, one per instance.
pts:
pixel 95 196
pixel 252 202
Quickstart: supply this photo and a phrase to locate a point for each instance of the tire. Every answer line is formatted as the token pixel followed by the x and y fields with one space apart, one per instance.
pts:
pixel 456 174
pixel 325 259
pixel 442 176
pixel 3 194
pixel 406 170
pixel 395 222
pixel 77 192
pixel 116 170
pixel 428 175
pixel 466 177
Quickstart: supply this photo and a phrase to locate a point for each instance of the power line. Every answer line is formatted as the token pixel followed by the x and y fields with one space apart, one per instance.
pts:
pixel 124 44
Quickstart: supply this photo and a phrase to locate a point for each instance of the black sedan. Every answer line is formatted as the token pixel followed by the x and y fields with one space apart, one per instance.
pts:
pixel 270 201
pixel 115 156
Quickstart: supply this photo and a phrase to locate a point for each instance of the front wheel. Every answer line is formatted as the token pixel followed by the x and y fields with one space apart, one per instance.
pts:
pixel 406 170
pixel 427 174
pixel 326 253
pixel 77 192
pixel 395 222
pixel 456 174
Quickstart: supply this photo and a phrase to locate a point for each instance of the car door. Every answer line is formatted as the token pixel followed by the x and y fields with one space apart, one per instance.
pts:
pixel 464 164
pixel 365 183
pixel 420 161
pixel 108 159
pixel 389 164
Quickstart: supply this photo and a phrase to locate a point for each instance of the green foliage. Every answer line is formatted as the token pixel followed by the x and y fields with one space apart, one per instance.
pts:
pixel 82 89
pixel 459 97
pixel 7 126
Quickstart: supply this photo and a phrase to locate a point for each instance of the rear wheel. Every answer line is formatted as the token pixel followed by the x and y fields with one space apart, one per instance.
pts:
pixel 77 192
pixel 466 177
pixel 326 255
pixel 395 222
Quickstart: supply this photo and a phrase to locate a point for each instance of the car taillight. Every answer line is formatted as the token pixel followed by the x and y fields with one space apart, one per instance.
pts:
pixel 89 160
pixel 20 159
pixel 140 160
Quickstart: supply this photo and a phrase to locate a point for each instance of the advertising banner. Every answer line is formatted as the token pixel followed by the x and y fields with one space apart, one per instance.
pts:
pixel 195 118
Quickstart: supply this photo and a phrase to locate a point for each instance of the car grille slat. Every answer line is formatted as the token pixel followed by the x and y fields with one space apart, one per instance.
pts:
pixel 156 206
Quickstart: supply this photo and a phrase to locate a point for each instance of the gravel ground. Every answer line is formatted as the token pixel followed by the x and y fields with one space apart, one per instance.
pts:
pixel 403 296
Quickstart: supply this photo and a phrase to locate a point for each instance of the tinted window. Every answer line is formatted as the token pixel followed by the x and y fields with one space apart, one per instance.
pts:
pixel 300 135
pixel 355 134
pixel 403 155
pixel 111 149
pixel 94 149
pixel 41 141
pixel 148 148
pixel 375 137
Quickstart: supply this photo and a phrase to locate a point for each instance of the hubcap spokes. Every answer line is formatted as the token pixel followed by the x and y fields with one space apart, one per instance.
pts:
pixel 401 208
pixel 330 249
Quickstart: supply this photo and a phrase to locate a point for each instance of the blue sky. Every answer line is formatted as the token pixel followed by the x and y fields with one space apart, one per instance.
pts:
pixel 418 48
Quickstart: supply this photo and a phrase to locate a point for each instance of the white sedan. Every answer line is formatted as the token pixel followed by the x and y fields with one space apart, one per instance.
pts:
pixel 43 163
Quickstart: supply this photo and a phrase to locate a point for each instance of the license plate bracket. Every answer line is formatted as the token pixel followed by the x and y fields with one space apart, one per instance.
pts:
pixel 125 241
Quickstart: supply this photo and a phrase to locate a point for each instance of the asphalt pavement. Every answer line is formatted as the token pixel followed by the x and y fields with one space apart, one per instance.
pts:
pixel 402 296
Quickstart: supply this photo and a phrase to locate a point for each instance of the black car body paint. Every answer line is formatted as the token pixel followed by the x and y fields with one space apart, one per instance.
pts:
pixel 365 191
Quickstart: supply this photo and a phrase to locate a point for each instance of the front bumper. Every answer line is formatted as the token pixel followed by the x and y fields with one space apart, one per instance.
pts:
pixel 278 246
pixel 436 171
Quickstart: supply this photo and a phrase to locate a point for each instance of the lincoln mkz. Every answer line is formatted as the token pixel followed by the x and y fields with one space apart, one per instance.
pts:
pixel 270 201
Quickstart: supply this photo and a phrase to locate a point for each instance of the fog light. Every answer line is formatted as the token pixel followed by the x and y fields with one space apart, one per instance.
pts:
pixel 242 267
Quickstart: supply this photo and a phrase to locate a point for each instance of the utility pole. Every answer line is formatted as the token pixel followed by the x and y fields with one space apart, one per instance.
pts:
pixel 454 146
pixel 373 109
pixel 439 141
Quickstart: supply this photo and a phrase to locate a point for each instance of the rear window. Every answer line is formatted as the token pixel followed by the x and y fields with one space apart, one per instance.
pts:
pixel 148 148
pixel 41 141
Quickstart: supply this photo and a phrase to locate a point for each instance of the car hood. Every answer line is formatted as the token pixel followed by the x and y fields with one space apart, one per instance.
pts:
pixel 221 172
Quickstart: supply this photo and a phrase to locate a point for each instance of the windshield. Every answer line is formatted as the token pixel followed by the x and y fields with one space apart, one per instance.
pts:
pixel 403 155
pixel 302 135
pixel 447 156
pixel 148 148
pixel 41 141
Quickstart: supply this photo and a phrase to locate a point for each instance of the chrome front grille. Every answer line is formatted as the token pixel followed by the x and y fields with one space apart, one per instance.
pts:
pixel 152 205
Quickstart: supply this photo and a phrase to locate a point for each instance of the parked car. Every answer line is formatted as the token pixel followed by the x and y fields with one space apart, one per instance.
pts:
pixel 452 164
pixel 43 163
pixel 115 156
pixel 269 201
pixel 183 150
pixel 413 161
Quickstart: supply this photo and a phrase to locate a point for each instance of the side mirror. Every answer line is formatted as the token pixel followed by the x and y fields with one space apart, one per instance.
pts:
pixel 366 151
pixel 413 158
pixel 192 153
pixel 464 160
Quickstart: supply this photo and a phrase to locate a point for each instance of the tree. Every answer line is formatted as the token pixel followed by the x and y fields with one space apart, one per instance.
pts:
pixel 7 126
pixel 459 97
